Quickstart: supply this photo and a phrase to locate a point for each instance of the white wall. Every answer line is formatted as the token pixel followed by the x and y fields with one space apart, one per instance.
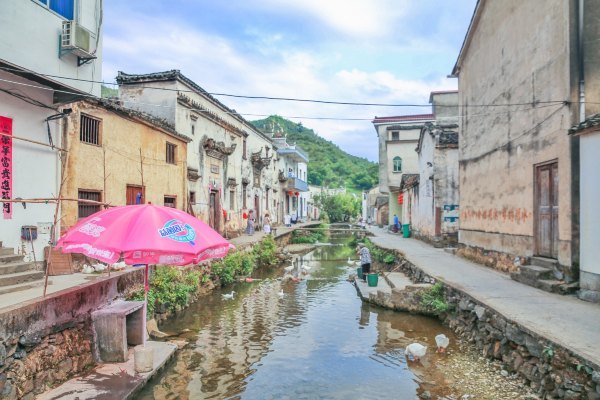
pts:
pixel 35 167
pixel 30 39
pixel 590 212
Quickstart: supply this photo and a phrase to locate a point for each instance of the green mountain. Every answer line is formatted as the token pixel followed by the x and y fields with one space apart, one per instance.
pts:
pixel 328 165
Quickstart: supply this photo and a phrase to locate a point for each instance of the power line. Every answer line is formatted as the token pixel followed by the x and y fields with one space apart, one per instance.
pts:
pixel 317 101
pixel 532 106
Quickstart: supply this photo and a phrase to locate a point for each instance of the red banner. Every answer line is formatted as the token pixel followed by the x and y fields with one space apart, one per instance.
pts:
pixel 6 173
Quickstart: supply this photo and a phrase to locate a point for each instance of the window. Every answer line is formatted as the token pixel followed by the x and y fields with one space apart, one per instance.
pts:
pixel 192 198
pixel 397 164
pixel 193 130
pixel 170 201
pixel 257 174
pixel 89 130
pixel 395 135
pixel 244 150
pixel 171 153
pixel 87 209
pixel 244 188
pixel 64 8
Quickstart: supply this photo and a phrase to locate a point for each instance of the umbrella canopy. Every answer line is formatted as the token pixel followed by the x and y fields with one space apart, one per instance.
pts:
pixel 144 234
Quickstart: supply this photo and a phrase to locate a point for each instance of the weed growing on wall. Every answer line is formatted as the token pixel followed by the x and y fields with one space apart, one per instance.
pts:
pixel 434 299
pixel 265 252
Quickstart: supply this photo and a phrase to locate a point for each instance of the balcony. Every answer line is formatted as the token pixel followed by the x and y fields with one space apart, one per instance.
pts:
pixel 296 184
pixel 294 153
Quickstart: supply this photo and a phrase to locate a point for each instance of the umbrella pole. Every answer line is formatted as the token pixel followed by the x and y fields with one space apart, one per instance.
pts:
pixel 145 304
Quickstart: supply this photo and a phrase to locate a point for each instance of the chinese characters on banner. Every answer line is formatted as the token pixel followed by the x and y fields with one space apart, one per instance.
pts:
pixel 6 181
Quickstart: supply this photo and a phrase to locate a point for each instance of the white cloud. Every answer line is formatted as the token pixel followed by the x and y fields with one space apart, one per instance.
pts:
pixel 356 18
pixel 219 65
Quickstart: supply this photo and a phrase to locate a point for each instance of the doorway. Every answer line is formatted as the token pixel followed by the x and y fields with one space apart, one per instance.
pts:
pixel 546 210
pixel 135 195
pixel 214 212
pixel 257 208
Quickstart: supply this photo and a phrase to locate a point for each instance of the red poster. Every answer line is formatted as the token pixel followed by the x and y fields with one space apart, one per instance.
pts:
pixel 6 181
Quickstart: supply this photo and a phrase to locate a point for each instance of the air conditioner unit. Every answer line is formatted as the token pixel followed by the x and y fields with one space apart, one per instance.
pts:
pixel 76 39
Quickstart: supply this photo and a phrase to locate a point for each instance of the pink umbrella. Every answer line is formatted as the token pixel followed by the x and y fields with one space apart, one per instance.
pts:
pixel 144 234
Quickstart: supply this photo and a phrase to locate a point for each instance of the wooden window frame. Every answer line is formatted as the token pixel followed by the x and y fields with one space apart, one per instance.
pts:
pixel 171 153
pixel 93 124
pixel 170 197
pixel 87 206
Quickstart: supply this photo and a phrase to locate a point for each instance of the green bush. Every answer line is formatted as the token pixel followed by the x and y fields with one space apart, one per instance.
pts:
pixel 311 237
pixel 265 252
pixel 389 259
pixel 171 287
pixel 434 299
pixel 234 264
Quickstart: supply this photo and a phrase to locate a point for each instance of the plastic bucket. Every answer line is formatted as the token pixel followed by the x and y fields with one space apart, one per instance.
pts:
pixel 359 273
pixel 406 230
pixel 372 279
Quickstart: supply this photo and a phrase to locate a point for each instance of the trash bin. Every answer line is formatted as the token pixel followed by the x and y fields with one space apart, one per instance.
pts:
pixel 406 230
pixel 372 279
pixel 359 273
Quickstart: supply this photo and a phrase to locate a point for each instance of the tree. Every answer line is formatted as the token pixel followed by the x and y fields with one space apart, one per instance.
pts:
pixel 338 207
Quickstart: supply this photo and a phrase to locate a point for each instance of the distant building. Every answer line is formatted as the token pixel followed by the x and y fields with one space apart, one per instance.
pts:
pixel 398 137
pixel 50 54
pixel 430 197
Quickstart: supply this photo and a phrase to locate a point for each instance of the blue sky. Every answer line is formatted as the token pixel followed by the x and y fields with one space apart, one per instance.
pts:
pixel 383 51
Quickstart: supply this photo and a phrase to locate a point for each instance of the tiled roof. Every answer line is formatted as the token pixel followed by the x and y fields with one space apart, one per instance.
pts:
pixel 174 74
pixel 590 122
pixel 409 180
pixel 403 118
pixel 448 137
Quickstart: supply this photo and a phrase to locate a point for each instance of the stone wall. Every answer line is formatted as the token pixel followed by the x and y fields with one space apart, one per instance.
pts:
pixel 46 341
pixel 551 370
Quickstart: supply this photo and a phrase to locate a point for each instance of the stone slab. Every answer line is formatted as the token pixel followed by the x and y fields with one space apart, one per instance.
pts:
pixel 112 381
pixel 364 290
pixel 398 280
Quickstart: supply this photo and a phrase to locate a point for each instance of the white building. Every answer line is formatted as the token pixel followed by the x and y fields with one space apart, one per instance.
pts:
pixel 44 45
pixel 398 137
pixel 230 163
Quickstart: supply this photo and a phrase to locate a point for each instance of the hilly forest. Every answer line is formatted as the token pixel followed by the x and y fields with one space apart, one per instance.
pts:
pixel 329 165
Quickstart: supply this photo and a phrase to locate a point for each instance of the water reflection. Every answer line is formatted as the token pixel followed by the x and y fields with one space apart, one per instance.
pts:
pixel 316 341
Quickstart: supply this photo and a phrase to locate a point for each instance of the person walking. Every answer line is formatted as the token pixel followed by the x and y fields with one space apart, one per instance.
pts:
pixel 365 260
pixel 267 224
pixel 251 221
pixel 396 223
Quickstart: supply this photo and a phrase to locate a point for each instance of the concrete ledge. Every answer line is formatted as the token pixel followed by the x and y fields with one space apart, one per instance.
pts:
pixel 112 381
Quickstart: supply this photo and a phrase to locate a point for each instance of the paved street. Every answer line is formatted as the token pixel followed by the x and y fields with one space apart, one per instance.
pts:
pixel 565 320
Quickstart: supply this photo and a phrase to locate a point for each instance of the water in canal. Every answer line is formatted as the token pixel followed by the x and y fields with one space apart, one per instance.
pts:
pixel 316 341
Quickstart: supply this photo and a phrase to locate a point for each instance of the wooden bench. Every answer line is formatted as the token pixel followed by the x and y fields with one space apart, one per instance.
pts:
pixel 116 326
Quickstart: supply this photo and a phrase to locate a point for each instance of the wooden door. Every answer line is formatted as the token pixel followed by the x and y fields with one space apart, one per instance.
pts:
pixel 546 207
pixel 257 208
pixel 135 195
pixel 214 212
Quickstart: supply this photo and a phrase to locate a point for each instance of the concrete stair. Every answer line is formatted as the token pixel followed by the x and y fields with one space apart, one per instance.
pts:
pixel 16 274
pixel 540 274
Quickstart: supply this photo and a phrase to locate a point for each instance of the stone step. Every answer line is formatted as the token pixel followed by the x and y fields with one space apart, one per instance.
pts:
pixel 22 286
pixel 536 272
pixel 550 263
pixel 549 285
pixel 6 251
pixel 20 277
pixel 9 258
pixel 14 267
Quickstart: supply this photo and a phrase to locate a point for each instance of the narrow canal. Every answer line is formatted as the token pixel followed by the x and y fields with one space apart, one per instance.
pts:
pixel 315 341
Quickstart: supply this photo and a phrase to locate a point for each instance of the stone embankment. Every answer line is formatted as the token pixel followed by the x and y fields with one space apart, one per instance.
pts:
pixel 550 370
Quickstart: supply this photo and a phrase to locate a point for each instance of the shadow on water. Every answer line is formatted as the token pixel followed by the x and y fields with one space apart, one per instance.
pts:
pixel 317 340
